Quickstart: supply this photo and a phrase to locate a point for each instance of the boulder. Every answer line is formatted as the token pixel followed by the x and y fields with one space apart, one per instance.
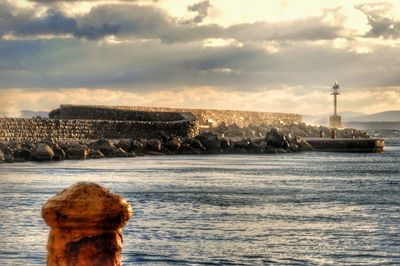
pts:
pixel 101 142
pixel 275 139
pixel 95 154
pixel 244 143
pixel 7 151
pixel 296 140
pixel 126 145
pixel 59 154
pixel 157 153
pixel 154 145
pixel 28 145
pixel 305 146
pixel 76 151
pixel 187 149
pixel 234 130
pixel 195 143
pixel 173 145
pixel 262 143
pixel 131 154
pixel 168 152
pixel 22 153
pixel 225 143
pixel 139 145
pixel 42 152
pixel 271 150
pixel 221 128
pixel 294 148
pixel 118 152
pixel 254 147
pixel 210 141
pixel 239 150
pixel 105 146
pixel 282 150
pixel 164 136
pixel 8 158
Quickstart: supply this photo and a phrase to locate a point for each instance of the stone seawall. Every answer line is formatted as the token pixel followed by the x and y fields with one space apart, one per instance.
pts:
pixel 120 114
pixel 59 129
pixel 241 118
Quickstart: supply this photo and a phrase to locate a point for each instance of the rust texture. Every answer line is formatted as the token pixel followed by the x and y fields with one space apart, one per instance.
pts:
pixel 86 223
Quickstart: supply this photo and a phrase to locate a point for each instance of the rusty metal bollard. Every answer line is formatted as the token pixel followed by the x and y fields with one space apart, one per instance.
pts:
pixel 86 223
pixel 333 135
pixel 321 134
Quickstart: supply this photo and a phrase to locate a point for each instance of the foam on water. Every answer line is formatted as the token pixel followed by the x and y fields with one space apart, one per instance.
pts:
pixel 307 208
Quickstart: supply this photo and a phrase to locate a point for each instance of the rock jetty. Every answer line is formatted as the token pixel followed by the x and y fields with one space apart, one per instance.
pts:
pixel 233 139
pixel 302 129
pixel 205 143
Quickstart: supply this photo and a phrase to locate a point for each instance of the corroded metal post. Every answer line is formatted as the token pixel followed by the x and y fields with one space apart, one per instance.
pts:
pixel 333 134
pixel 86 223
pixel 321 134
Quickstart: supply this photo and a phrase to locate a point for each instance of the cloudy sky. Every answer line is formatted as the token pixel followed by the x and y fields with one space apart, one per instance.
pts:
pixel 280 55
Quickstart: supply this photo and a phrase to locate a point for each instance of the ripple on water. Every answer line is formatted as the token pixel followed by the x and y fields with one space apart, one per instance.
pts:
pixel 309 208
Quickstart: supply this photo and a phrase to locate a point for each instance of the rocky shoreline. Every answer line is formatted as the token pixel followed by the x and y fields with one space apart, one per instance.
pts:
pixel 286 139
pixel 302 129
pixel 204 143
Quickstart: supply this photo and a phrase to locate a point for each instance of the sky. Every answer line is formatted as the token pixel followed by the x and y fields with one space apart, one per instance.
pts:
pixel 261 55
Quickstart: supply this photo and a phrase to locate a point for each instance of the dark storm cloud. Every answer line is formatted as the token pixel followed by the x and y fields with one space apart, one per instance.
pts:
pixel 202 10
pixel 23 22
pixel 381 24
pixel 153 65
pixel 146 22
pixel 163 52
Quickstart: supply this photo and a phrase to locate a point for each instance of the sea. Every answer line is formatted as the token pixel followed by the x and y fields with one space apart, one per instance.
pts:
pixel 310 208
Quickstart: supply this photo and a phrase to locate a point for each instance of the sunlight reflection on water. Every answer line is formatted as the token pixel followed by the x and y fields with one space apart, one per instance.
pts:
pixel 309 208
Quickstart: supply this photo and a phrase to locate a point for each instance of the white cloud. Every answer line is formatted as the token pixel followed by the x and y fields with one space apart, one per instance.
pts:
pixel 162 52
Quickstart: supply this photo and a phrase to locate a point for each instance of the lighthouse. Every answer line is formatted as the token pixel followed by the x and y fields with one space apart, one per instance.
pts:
pixel 335 120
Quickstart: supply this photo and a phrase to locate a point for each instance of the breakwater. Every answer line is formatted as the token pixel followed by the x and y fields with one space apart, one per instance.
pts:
pixel 68 129
pixel 204 116
pixel 347 145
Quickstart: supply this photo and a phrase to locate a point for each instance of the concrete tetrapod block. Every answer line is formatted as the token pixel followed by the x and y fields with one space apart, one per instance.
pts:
pixel 86 223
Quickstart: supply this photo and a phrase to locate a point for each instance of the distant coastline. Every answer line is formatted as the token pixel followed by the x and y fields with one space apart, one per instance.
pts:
pixel 373 125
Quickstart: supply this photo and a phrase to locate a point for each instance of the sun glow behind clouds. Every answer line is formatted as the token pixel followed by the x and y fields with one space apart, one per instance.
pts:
pixel 279 52
pixel 280 99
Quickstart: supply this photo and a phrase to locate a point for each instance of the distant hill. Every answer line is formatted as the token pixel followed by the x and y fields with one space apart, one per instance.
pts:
pixel 30 114
pixel 389 116
pixel 323 119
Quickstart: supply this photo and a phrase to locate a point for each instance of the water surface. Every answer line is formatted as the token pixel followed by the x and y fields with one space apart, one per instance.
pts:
pixel 307 208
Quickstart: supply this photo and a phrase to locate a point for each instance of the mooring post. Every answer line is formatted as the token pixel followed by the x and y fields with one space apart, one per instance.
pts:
pixel 333 135
pixel 86 223
pixel 321 134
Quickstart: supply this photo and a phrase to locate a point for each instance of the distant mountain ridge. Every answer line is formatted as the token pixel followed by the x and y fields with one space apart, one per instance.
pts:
pixel 323 119
pixel 389 116
pixel 25 114
pixel 30 114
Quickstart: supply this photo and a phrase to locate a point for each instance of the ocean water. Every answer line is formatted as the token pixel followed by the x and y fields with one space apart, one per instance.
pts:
pixel 293 209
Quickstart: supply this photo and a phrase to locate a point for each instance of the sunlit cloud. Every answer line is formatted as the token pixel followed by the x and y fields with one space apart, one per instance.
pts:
pixel 255 55
pixel 280 99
